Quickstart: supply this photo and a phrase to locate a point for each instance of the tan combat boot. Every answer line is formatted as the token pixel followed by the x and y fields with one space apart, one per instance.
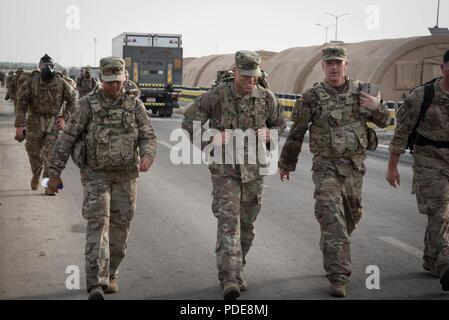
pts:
pixel 49 193
pixel 231 291
pixel 429 266
pixel 96 293
pixel 444 280
pixel 34 183
pixel 242 284
pixel 112 287
pixel 337 289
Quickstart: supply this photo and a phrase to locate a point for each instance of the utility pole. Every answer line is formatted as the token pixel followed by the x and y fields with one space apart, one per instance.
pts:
pixel 217 47
pixel 336 21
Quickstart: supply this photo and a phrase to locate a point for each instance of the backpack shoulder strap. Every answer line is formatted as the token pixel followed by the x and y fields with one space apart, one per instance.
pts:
pixel 94 103
pixel 429 93
pixel 35 84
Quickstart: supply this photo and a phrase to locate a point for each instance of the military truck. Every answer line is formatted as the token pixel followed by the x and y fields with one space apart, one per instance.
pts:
pixel 154 63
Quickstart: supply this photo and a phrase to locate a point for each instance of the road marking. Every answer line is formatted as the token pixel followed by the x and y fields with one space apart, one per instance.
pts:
pixel 403 246
pixel 165 120
pixel 169 146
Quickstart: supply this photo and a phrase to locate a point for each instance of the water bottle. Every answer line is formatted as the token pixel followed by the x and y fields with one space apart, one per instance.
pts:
pixel 44 183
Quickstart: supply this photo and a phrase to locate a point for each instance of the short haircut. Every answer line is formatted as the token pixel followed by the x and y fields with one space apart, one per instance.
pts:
pixel 446 57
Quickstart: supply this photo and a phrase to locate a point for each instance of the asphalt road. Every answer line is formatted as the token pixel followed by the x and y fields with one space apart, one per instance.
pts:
pixel 172 240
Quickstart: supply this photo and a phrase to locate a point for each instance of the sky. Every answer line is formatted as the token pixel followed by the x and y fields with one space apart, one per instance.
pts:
pixel 66 29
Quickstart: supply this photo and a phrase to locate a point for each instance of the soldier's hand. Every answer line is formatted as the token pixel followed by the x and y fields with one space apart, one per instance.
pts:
pixel 393 177
pixel 264 134
pixel 60 123
pixel 369 102
pixel 221 138
pixel 145 164
pixel 53 184
pixel 284 175
pixel 20 132
pixel 7 97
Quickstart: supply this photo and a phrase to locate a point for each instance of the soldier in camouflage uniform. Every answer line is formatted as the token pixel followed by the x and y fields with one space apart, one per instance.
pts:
pixel 12 88
pixel 2 78
pixel 222 75
pixel 119 142
pixel 130 86
pixel 86 83
pixel 65 76
pixel 237 189
pixel 41 112
pixel 10 94
pixel 430 167
pixel 336 112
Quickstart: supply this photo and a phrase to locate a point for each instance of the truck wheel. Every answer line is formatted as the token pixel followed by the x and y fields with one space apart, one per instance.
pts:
pixel 153 111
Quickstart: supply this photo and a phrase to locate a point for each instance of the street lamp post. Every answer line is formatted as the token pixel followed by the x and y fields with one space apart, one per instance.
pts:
pixel 325 27
pixel 217 47
pixel 336 21
pixel 438 13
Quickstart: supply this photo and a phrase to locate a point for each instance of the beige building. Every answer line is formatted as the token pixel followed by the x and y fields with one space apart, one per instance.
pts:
pixel 397 65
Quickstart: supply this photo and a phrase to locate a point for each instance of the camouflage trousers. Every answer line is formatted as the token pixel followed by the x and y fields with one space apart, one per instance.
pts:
pixel 236 206
pixel 338 209
pixel 432 195
pixel 108 206
pixel 39 143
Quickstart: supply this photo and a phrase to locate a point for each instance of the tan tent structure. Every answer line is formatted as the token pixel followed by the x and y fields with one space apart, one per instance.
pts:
pixel 397 65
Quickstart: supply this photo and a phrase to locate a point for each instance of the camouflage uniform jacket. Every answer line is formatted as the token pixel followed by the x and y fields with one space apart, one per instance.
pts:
pixel 434 126
pixel 84 85
pixel 69 81
pixel 226 109
pixel 11 86
pixel 337 124
pixel 132 88
pixel 97 124
pixel 44 98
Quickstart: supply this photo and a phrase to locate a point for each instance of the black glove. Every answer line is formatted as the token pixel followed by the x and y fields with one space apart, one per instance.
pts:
pixel 7 97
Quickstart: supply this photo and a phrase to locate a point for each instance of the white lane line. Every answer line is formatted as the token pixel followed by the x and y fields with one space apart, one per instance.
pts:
pixel 403 246
pixel 169 146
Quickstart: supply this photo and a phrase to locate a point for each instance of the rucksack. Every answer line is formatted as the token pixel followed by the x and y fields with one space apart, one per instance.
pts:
pixel 429 92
